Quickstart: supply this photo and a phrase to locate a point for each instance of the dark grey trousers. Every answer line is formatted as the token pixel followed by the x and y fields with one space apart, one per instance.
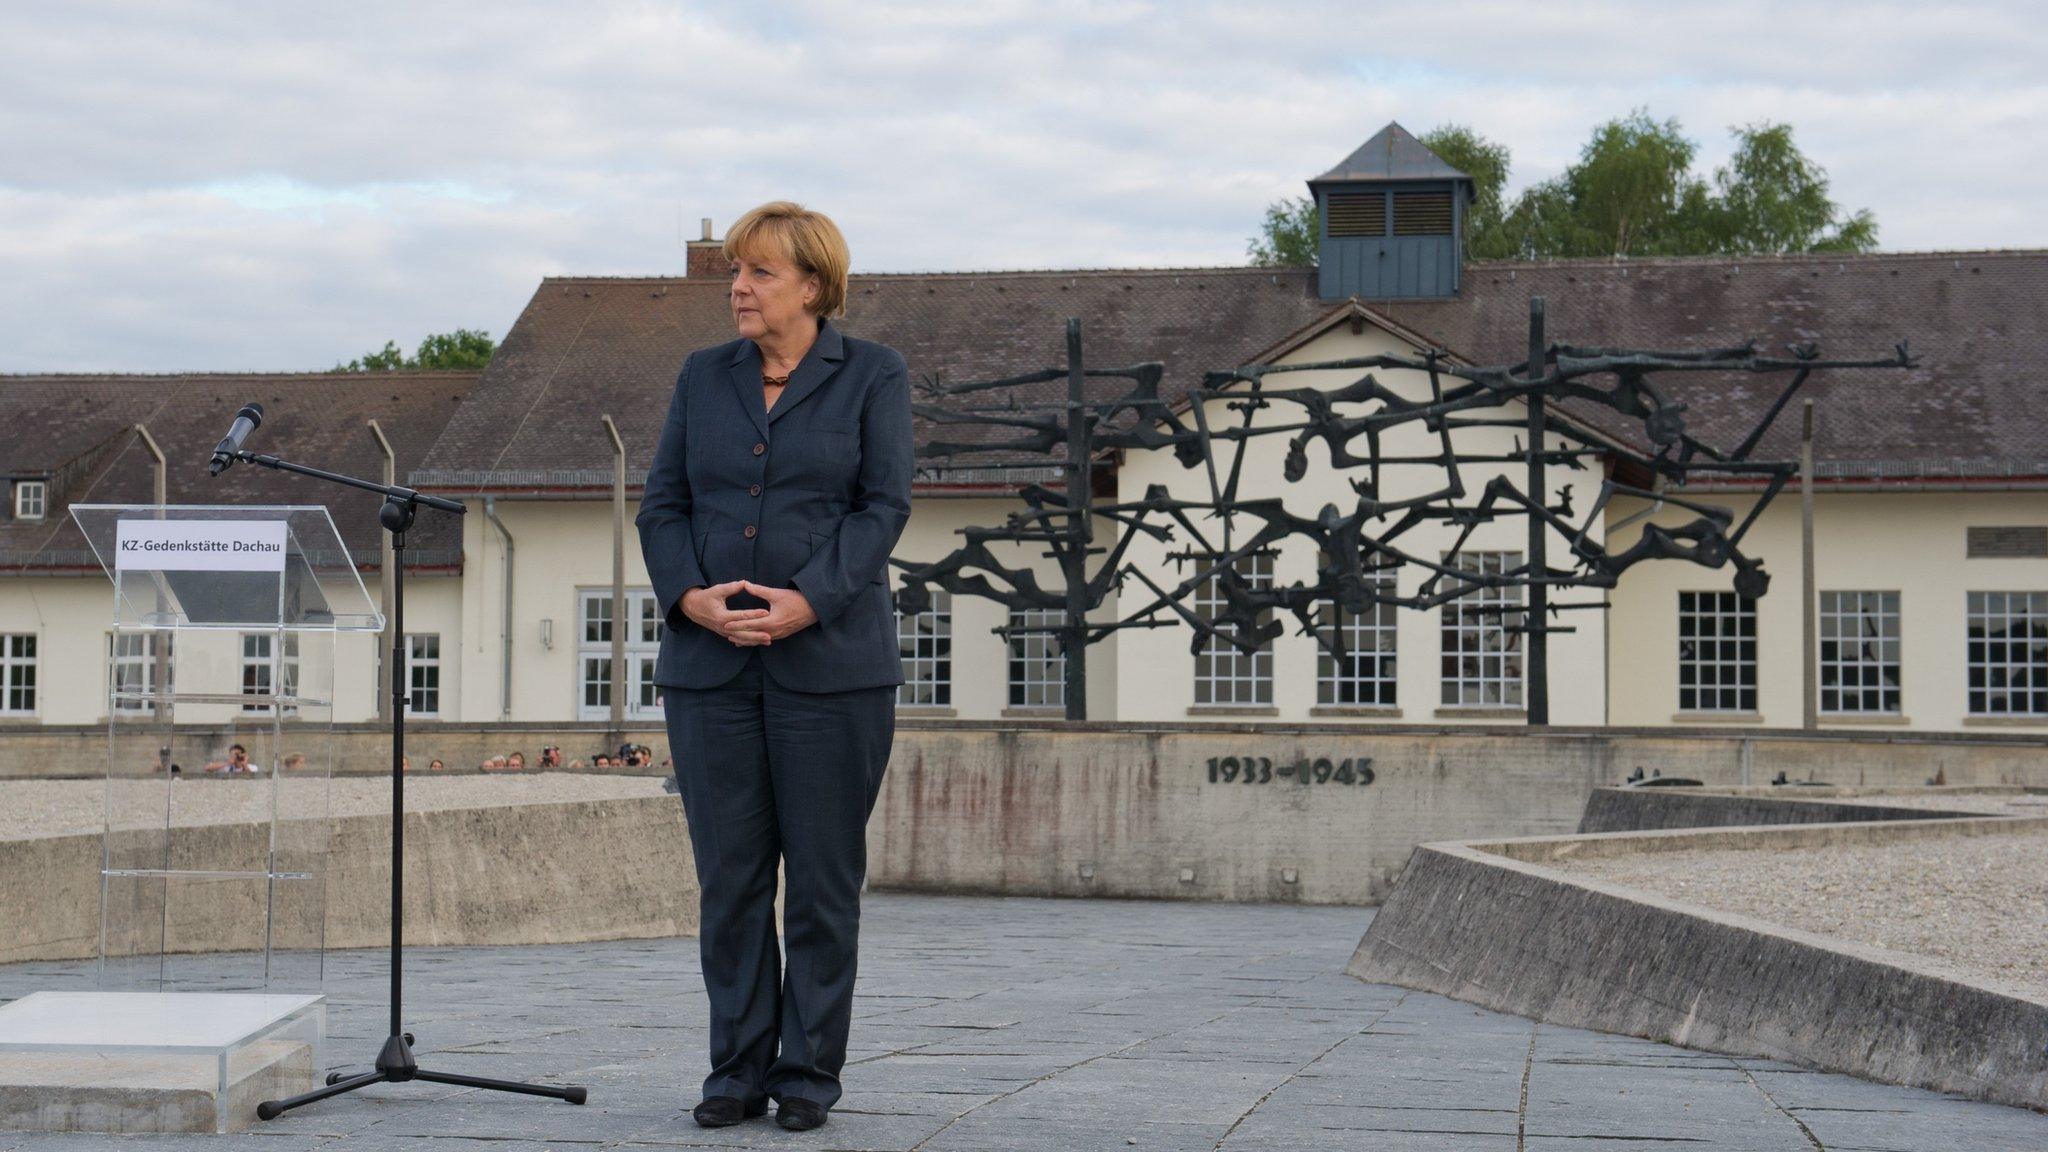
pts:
pixel 767 772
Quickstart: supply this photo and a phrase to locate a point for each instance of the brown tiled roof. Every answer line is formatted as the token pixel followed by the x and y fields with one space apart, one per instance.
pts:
pixel 1977 321
pixel 78 430
pixel 585 347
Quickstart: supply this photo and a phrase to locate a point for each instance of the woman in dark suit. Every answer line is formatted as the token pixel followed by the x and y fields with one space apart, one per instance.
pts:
pixel 780 485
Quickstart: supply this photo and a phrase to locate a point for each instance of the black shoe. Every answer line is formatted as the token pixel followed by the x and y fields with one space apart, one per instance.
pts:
pixel 725 1111
pixel 799 1115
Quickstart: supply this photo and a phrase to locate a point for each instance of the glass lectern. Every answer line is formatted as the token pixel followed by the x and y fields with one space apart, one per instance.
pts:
pixel 220 710
pixel 221 677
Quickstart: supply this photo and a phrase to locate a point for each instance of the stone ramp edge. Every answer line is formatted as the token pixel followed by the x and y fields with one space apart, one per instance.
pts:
pixel 1472 921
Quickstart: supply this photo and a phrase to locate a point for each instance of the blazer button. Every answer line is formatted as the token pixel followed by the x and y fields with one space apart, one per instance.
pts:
pixel 753 489
pixel 759 447
pixel 749 532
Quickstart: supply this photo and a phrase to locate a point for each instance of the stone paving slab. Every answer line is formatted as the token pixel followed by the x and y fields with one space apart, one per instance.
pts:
pixel 1017 1025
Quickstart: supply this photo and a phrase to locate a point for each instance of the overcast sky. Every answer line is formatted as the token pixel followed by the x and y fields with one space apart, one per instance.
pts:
pixel 186 186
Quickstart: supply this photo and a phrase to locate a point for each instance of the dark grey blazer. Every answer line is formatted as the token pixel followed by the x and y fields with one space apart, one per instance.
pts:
pixel 812 495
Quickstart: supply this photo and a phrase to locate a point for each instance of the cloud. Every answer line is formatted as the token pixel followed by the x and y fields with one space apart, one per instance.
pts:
pixel 198 186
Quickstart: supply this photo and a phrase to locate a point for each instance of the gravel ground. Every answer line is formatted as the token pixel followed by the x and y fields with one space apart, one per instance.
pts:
pixel 1976 906
pixel 31 808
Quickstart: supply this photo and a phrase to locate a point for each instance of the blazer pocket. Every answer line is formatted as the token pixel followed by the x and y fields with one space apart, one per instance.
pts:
pixel 836 425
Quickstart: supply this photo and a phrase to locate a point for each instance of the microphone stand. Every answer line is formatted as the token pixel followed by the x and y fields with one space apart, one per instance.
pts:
pixel 395 1063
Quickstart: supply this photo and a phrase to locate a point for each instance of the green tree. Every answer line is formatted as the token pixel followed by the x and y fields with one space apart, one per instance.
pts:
pixel 463 348
pixel 1632 192
pixel 387 359
pixel 1771 198
pixel 1289 238
pixel 1487 164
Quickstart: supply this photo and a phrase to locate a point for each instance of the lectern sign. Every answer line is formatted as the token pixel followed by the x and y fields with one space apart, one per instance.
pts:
pixel 201 545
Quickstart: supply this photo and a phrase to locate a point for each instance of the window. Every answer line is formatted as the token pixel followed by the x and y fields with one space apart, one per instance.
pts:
pixel 1716 652
pixel 423 673
pixel 17 673
pixel 265 663
pixel 1859 652
pixel 1037 671
pixel 2008 650
pixel 594 654
pixel 131 663
pixel 1225 673
pixel 31 497
pixel 1482 659
pixel 924 642
pixel 1365 674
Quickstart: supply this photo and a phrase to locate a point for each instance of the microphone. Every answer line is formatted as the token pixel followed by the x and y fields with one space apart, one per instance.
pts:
pixel 246 421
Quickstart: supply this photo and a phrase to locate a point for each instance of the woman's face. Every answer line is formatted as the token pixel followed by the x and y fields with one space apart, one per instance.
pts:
pixel 769 295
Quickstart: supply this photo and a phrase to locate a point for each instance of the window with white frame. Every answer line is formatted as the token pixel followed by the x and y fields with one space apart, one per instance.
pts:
pixel 924 642
pixel 423 673
pixel 132 666
pixel 643 651
pixel 17 673
pixel 594 654
pixel 1482 659
pixel 1037 671
pixel 1716 652
pixel 31 498
pixel 266 662
pixel 1364 675
pixel 1859 652
pixel 1225 673
pixel 2008 653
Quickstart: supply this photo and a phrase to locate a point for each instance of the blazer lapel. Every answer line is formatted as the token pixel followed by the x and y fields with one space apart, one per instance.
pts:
pixel 745 370
pixel 817 366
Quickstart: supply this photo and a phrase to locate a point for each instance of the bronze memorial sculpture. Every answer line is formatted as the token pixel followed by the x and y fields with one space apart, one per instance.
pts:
pixel 1365 541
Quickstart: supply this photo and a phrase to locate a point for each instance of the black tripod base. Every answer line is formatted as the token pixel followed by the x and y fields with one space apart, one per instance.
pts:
pixel 395 1065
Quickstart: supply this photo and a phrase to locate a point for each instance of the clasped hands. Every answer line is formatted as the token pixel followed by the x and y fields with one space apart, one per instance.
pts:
pixel 787 612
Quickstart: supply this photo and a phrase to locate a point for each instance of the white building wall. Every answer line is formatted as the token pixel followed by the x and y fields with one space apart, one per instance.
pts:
pixel 562 547
pixel 71 615
pixel 1912 543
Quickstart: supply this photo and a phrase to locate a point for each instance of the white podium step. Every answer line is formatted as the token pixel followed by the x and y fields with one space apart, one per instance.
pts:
pixel 154 1061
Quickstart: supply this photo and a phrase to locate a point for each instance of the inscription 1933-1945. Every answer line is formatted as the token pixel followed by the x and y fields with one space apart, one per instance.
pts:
pixel 1354 771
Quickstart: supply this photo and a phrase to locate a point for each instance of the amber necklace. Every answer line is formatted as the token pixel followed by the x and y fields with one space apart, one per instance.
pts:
pixel 771 388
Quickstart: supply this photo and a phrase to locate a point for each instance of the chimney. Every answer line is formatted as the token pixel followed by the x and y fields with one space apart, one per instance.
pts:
pixel 706 256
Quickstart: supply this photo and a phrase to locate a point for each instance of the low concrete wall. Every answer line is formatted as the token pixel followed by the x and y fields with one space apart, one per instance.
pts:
pixel 1165 810
pixel 511 874
pixel 1717 756
pixel 1133 810
pixel 1653 809
pixel 1483 923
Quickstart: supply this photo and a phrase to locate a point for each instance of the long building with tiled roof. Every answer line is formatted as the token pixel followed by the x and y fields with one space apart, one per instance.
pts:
pixel 74 436
pixel 590 345
pixel 1929 601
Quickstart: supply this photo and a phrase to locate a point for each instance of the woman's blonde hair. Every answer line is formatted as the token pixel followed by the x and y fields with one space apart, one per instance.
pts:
pixel 808 239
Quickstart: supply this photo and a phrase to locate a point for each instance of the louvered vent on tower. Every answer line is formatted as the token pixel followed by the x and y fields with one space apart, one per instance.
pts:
pixel 1422 213
pixel 1358 213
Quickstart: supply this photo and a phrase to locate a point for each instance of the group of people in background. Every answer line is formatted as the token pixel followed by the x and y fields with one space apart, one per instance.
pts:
pixel 552 760
pixel 237 762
